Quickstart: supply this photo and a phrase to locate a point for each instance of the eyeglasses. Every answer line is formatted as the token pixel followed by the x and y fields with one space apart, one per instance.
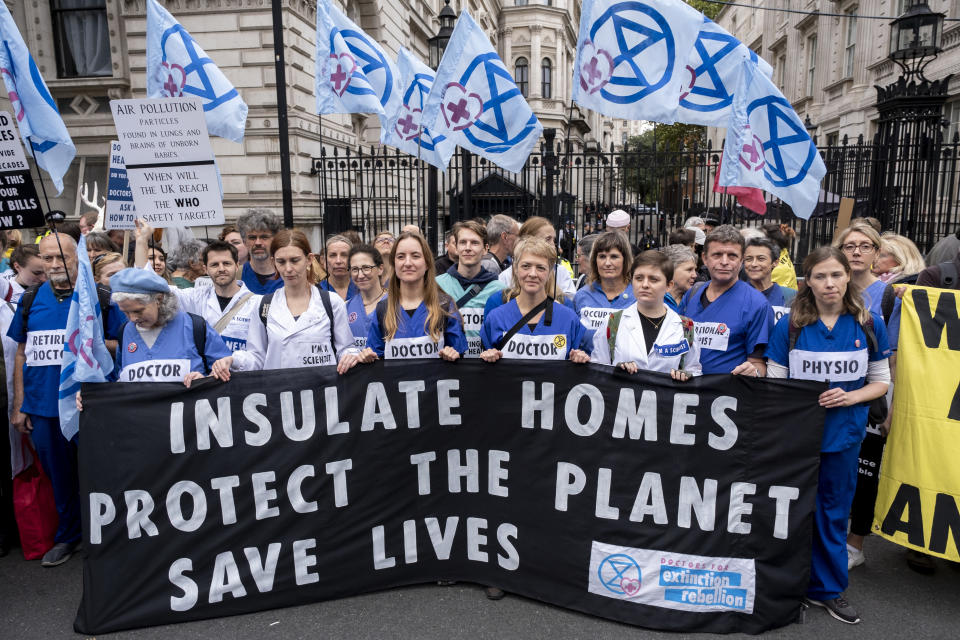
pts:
pixel 367 269
pixel 864 248
pixel 383 239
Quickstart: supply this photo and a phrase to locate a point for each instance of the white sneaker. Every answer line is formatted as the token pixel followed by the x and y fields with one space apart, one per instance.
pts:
pixel 855 557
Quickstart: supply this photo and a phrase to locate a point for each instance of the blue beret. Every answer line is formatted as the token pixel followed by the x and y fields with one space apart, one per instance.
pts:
pixel 134 280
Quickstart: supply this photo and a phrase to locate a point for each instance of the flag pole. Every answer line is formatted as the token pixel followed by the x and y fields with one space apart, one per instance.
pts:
pixel 52 217
pixel 425 219
pixel 282 123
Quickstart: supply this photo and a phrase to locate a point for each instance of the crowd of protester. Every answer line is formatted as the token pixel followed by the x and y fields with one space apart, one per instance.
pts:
pixel 714 300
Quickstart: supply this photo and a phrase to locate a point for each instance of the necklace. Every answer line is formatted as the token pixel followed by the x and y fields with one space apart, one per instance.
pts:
pixel 375 300
pixel 655 325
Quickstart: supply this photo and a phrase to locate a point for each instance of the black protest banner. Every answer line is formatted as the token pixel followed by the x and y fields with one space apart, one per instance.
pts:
pixel 684 507
pixel 19 204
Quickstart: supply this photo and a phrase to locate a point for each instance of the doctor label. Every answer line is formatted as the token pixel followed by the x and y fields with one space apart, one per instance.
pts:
pixel 594 318
pixel 529 347
pixel 472 322
pixel 412 348
pixel 44 348
pixel 156 371
pixel 314 354
pixel 835 366
pixel 712 335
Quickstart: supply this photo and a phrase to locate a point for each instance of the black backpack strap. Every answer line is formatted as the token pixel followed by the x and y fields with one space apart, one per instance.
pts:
pixel 887 302
pixel 381 312
pixel 471 293
pixel 872 344
pixel 200 339
pixel 103 296
pixel 328 307
pixel 505 338
pixel 264 310
pixel 794 332
pixel 26 301
pixel 948 275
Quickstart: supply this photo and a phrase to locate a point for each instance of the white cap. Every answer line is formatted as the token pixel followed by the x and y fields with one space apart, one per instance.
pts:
pixel 618 218
pixel 701 236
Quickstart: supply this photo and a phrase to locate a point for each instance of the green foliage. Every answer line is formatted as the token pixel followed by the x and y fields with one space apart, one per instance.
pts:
pixel 709 9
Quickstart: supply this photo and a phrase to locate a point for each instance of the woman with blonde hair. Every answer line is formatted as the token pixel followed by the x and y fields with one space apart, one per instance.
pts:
pixel 531 324
pixel 300 324
pixel 416 319
pixel 860 244
pixel 899 260
pixel 106 265
pixel 608 283
pixel 831 336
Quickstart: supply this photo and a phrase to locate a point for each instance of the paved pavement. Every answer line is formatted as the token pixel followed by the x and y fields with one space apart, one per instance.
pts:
pixel 894 602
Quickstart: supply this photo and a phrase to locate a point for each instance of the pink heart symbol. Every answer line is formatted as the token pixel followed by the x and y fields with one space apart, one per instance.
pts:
pixel 460 109
pixel 14 97
pixel 172 79
pixel 630 586
pixel 689 87
pixel 751 156
pixel 408 124
pixel 596 67
pixel 343 67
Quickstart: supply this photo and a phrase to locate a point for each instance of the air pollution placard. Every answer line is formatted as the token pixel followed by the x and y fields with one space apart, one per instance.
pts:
pixel 19 204
pixel 169 161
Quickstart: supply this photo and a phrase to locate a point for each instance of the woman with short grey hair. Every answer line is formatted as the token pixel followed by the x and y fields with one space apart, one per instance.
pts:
pixel 187 263
pixel 684 273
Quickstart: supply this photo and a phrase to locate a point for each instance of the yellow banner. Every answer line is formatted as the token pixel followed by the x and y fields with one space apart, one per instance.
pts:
pixel 917 504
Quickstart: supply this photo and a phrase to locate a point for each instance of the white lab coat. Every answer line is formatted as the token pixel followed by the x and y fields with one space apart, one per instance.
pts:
pixel 630 345
pixel 286 343
pixel 564 281
pixel 202 300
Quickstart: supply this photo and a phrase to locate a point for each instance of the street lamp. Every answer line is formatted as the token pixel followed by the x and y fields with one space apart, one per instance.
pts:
pixel 810 127
pixel 438 43
pixel 915 38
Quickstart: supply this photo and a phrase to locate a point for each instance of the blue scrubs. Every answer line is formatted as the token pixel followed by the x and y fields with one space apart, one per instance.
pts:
pixel 359 320
pixel 414 328
pixel 731 328
pixel 839 356
pixel 496 299
pixel 42 335
pixel 593 306
pixel 352 290
pixel 564 323
pixel 249 277
pixel 780 299
pixel 171 357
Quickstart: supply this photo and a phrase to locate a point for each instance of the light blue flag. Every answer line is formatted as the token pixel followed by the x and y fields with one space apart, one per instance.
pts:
pixel 711 75
pixel 177 66
pixel 353 73
pixel 768 147
pixel 477 105
pixel 631 57
pixel 401 129
pixel 44 134
pixel 85 355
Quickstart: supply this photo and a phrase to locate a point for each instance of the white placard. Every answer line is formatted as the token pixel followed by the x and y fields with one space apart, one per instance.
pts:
pixel 11 151
pixel 169 161
pixel 120 212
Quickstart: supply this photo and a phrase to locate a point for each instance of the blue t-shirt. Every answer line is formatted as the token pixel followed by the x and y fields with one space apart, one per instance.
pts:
pixel 414 328
pixel 593 306
pixel 731 328
pixel 839 356
pixel 352 289
pixel 780 299
pixel 251 279
pixel 359 320
pixel 171 357
pixel 553 342
pixel 43 338
pixel 873 299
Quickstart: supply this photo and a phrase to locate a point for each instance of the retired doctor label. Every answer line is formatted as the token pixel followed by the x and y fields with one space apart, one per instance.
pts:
pixel 536 347
pixel 156 371
pixel 836 366
pixel 45 348
pixel 712 335
pixel 412 348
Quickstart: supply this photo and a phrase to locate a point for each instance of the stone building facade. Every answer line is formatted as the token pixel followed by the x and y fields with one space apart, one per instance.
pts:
pixel 827 66
pixel 92 51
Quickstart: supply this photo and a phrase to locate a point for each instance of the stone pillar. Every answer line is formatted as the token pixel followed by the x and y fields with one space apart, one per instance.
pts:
pixel 535 60
pixel 506 38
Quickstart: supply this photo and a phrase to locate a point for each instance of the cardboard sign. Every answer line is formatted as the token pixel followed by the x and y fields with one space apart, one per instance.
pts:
pixel 121 211
pixel 169 161
pixel 19 204
pixel 843 217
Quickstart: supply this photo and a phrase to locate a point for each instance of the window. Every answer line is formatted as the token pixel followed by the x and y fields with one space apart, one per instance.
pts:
pixel 811 63
pixel 851 47
pixel 952 112
pixel 521 3
pixel 520 71
pixel 81 38
pixel 782 72
pixel 833 139
pixel 546 81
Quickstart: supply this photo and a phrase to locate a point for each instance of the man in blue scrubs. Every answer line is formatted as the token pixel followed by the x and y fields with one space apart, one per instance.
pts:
pixel 733 321
pixel 258 226
pixel 36 384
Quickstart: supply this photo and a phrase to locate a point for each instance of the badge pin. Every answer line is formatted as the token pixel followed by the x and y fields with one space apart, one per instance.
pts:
pixel 856 343
pixel 132 347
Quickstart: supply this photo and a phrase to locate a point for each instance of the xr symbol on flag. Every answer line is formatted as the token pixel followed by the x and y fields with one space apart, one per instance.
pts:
pixel 177 44
pixel 788 163
pixel 344 66
pixel 460 109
